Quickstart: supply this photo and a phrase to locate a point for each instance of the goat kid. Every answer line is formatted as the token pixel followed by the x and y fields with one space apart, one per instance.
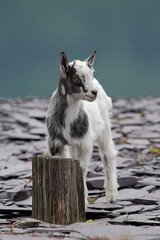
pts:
pixel 78 116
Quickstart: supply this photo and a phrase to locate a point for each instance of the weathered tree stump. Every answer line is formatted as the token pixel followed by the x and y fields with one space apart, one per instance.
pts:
pixel 58 190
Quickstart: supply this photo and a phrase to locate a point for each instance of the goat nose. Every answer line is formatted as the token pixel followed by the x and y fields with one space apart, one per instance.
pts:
pixel 94 92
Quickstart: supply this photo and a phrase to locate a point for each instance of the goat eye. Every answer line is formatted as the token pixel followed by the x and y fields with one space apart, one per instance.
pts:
pixel 76 80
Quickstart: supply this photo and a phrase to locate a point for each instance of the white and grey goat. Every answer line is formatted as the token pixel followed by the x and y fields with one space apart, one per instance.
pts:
pixel 78 116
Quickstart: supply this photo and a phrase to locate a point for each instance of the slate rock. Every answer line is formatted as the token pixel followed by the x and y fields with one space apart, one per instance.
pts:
pixel 38 114
pixel 151 135
pixel 3 195
pixel 3 221
pixel 96 192
pixel 129 147
pixel 27 223
pixel 130 209
pixel 150 180
pixel 21 195
pixel 138 142
pixel 9 203
pixel 38 131
pixel 101 200
pixel 124 202
pixel 150 208
pixel 96 213
pixel 116 136
pixel 118 220
pixel 154 214
pixel 130 194
pixel 141 219
pixel 26 156
pixel 109 207
pixel 98 183
pixel 100 228
pixel 127 122
pixel 154 195
pixel 96 166
pixel 147 173
pixel 23 203
pixel 18 194
pixel 15 231
pixel 145 201
pixel 19 135
pixel 14 173
pixel 123 162
pixel 11 209
pixel 130 129
pixel 135 177
pixel 95 183
pixel 149 188
pixel 127 181
pixel 153 118
pixel 7 150
pixel 25 120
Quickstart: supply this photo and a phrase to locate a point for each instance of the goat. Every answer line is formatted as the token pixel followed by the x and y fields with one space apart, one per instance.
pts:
pixel 78 116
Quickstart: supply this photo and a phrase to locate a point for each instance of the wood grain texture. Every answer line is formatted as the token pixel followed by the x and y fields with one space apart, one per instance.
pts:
pixel 58 190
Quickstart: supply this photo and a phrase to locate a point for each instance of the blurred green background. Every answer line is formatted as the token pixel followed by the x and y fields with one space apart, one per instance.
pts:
pixel 125 33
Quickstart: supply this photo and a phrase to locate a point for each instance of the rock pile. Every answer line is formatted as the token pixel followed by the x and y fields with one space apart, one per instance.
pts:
pixel 136 132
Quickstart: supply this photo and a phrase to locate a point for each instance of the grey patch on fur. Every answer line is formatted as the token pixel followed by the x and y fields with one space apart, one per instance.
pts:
pixel 52 148
pixel 56 120
pixel 71 81
pixel 80 125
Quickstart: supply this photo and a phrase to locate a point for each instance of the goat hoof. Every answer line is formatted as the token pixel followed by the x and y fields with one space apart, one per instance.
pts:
pixel 111 201
pixel 111 198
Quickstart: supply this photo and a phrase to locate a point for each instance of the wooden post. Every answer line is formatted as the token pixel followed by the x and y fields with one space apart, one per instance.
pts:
pixel 58 190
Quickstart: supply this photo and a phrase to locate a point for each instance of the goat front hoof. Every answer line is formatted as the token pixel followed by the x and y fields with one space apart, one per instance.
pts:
pixel 111 201
pixel 111 196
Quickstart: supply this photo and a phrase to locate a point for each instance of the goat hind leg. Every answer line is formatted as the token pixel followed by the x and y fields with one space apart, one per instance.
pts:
pixel 84 155
pixel 109 154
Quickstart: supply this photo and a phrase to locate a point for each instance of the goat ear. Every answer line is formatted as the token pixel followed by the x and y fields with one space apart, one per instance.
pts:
pixel 91 58
pixel 63 62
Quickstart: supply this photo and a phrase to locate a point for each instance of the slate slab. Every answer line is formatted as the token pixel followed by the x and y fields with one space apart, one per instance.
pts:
pixel 9 209
pixel 95 183
pixel 96 213
pixel 27 223
pixel 127 181
pixel 150 180
pixel 130 194
pixel 145 201
pixel 141 219
pixel 119 220
pixel 137 168
pixel 19 135
pixel 130 209
pixel 109 207
pixel 25 203
pixel 138 142
pixel 150 136
pixel 101 228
